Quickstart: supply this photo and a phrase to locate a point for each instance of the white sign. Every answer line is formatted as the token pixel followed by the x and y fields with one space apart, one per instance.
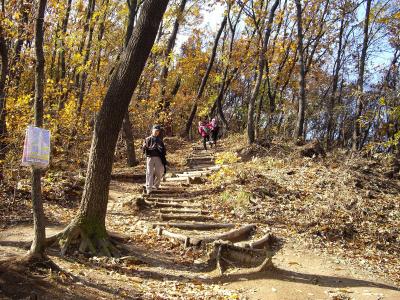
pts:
pixel 36 147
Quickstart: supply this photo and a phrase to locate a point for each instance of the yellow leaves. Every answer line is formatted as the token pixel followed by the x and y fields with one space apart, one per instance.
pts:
pixel 226 158
pixel 76 58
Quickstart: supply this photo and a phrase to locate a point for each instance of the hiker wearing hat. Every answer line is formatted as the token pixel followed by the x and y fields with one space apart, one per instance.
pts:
pixel 155 151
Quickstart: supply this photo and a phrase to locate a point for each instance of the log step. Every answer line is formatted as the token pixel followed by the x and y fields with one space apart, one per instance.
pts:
pixel 195 226
pixel 166 200
pixel 167 217
pixel 172 205
pixel 183 211
pixel 176 179
pixel 234 235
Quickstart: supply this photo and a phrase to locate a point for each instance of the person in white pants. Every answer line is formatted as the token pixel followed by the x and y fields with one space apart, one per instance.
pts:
pixel 155 151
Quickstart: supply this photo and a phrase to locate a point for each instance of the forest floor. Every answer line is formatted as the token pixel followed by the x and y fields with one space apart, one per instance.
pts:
pixel 337 217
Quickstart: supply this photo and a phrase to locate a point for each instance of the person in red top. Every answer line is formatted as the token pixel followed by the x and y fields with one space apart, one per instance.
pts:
pixel 204 131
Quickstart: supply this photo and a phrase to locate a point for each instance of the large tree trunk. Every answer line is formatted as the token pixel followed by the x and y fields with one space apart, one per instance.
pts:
pixel 298 133
pixel 260 70
pixel 3 114
pixel 89 224
pixel 185 133
pixel 38 244
pixel 360 82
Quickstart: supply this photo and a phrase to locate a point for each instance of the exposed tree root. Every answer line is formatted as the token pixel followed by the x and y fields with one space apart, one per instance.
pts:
pixel 95 243
pixel 233 235
pixel 262 243
pixel 225 255
pixel 35 261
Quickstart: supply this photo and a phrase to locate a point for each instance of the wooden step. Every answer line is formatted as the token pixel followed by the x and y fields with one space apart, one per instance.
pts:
pixel 154 199
pixel 167 217
pixel 183 211
pixel 172 205
pixel 177 179
pixel 195 225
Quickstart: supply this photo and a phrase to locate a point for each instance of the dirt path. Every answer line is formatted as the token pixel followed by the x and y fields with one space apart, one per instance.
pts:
pixel 163 268
pixel 298 273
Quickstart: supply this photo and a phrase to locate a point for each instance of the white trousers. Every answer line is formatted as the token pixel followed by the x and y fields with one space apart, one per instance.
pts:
pixel 154 173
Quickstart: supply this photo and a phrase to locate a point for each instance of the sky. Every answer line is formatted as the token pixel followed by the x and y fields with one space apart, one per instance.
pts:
pixel 211 21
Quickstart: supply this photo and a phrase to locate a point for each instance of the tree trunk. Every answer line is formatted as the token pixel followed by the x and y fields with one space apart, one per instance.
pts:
pixel 38 244
pixel 203 83
pixel 261 65
pixel 3 113
pixel 100 36
pixel 127 133
pixel 89 224
pixel 335 83
pixel 62 72
pixel 302 74
pixel 83 76
pixel 170 46
pixel 259 110
pixel 360 82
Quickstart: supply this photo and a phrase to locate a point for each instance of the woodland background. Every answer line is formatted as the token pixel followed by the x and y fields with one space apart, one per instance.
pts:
pixel 346 82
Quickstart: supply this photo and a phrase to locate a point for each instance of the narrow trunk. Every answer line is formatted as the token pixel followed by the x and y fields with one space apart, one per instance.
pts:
pixel 102 28
pixel 302 75
pixel 63 71
pixel 127 133
pixel 38 244
pixel 3 113
pixel 260 70
pixel 259 110
pixel 360 82
pixel 89 223
pixel 166 56
pixel 203 83
pixel 83 76
pixel 335 83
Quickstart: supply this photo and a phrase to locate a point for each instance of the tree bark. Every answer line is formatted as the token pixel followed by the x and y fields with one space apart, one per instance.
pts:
pixel 64 27
pixel 38 244
pixel 298 133
pixel 83 75
pixel 185 132
pixel 3 113
pixel 127 135
pixel 127 132
pixel 360 82
pixel 260 71
pixel 89 223
pixel 335 83
pixel 170 46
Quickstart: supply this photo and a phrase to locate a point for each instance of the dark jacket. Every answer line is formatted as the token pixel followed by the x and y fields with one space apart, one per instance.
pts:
pixel 154 146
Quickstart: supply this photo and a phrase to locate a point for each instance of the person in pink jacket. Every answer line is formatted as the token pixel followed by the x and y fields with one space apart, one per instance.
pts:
pixel 204 131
